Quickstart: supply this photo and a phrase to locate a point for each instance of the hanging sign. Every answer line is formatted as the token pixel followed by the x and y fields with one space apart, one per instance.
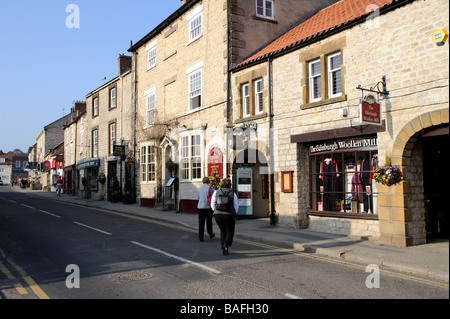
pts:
pixel 370 110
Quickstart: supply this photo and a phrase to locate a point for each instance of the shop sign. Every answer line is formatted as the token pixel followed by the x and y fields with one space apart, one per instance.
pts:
pixel 351 144
pixel 440 37
pixel 119 150
pixel 215 162
pixel 47 166
pixel 88 164
pixel 370 110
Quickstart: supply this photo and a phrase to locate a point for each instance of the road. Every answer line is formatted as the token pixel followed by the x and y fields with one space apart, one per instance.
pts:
pixel 56 250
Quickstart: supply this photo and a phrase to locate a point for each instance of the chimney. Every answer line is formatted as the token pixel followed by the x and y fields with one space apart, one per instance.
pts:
pixel 124 64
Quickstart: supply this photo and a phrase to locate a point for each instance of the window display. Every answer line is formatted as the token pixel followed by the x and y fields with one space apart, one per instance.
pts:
pixel 341 181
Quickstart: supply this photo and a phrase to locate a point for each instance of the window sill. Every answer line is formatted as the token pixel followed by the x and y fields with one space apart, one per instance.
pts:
pixel 343 215
pixel 251 118
pixel 338 99
pixel 261 18
pixel 193 40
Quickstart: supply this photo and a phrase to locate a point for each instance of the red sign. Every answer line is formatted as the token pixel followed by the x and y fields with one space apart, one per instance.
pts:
pixel 215 162
pixel 370 111
pixel 47 166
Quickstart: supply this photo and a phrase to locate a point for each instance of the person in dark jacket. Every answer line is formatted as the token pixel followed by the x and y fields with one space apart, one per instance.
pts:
pixel 225 205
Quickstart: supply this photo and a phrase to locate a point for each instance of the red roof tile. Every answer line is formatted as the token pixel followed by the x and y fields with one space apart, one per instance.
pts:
pixel 336 15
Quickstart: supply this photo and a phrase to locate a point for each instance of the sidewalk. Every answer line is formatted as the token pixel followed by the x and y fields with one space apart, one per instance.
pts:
pixel 430 260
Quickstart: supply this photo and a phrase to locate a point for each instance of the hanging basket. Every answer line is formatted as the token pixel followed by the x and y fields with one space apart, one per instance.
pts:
pixel 388 175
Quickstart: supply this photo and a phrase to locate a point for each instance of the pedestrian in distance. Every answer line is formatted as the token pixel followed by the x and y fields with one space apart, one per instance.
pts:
pixel 205 213
pixel 225 205
pixel 59 185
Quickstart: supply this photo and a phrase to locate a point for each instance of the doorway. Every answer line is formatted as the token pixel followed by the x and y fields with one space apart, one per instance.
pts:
pixel 436 184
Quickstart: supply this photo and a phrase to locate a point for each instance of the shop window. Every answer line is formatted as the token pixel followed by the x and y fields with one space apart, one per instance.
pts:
pixel 343 183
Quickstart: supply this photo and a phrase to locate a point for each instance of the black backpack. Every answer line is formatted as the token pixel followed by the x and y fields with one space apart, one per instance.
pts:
pixel 224 201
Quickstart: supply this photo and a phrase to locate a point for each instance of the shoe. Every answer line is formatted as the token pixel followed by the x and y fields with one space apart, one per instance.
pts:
pixel 212 236
pixel 201 239
pixel 225 251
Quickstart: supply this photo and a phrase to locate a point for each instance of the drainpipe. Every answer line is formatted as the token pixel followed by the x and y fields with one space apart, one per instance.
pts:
pixel 228 120
pixel 134 89
pixel 271 160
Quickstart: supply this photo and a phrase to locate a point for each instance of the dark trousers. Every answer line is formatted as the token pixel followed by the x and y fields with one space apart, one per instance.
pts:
pixel 226 225
pixel 205 215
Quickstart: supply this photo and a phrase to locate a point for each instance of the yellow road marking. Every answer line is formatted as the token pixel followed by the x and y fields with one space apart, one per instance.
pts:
pixel 35 287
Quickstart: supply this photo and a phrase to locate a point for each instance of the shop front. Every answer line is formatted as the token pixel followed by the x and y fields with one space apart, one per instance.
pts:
pixel 342 192
pixel 88 175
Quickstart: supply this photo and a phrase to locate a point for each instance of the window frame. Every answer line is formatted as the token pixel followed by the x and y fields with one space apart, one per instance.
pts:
pixel 112 99
pixel 245 100
pixel 264 8
pixel 148 153
pixel 191 155
pixel 95 142
pixel 311 78
pixel 259 97
pixel 199 89
pixel 193 36
pixel 111 138
pixel 150 108
pixel 330 74
pixel 95 106
pixel 151 58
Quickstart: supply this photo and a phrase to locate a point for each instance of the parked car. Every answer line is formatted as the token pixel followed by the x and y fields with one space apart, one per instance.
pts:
pixel 1 182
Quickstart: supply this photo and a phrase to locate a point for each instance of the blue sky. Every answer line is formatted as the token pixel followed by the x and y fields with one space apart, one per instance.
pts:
pixel 45 65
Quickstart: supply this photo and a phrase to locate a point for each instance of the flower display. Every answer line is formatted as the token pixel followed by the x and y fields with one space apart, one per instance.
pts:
pixel 101 178
pixel 214 181
pixel 388 175
pixel 130 159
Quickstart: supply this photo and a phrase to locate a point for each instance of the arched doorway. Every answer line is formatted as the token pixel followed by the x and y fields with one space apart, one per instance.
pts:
pixel 403 215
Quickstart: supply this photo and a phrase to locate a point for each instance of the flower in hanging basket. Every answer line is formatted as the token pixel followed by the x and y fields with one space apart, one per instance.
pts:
pixel 101 178
pixel 130 159
pixel 388 175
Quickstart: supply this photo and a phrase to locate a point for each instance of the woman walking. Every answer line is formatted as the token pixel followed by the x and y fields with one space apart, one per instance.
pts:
pixel 225 205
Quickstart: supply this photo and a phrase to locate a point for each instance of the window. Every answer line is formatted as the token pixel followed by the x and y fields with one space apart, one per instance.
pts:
pixel 195 27
pixel 95 106
pixel 246 100
pixel 342 182
pixel 191 162
pixel 17 164
pixel 112 137
pixel 81 135
pixel 259 105
pixel 315 82
pixel 334 75
pixel 195 90
pixel 264 9
pixel 151 55
pixel 148 163
pixel 95 143
pixel 112 98
pixel 151 109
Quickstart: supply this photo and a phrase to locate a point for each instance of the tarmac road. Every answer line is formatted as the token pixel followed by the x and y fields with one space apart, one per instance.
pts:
pixel 129 256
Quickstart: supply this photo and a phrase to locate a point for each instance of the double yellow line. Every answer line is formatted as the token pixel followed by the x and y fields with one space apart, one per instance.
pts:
pixel 19 287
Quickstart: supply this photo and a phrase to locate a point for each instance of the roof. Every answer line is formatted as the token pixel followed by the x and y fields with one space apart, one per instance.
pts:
pixel 323 23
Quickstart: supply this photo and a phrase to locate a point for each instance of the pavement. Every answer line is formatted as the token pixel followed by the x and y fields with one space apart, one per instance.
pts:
pixel 428 260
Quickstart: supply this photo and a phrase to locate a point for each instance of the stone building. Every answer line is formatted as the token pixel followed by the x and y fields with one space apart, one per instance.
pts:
pixel 329 101
pixel 182 87
pixel 107 124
